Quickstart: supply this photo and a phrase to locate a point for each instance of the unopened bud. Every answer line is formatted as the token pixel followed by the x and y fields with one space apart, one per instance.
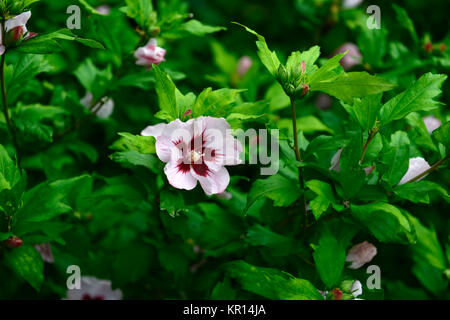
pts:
pixel 443 47
pixel 188 113
pixel 14 242
pixel 155 32
pixel 290 90
pixel 14 36
pixel 336 294
pixel 282 75
pixel 428 47
pixel 303 88
pixel 346 286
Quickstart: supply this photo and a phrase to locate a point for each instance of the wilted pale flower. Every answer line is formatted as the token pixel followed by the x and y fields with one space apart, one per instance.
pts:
pixel 15 30
pixel 417 165
pixel 150 54
pixel 45 251
pixel 353 56
pixel 104 10
pixel 244 64
pixel 105 110
pixel 432 123
pixel 356 289
pixel 361 254
pixel 196 150
pixel 94 289
pixel 349 4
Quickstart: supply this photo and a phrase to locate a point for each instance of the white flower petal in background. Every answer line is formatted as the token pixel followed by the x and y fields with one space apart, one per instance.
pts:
pixel 46 252
pixel 361 254
pixel 349 4
pixel 94 289
pixel 105 110
pixel 104 10
pixel 244 64
pixel 356 289
pixel 417 165
pixel 432 123
pixel 353 56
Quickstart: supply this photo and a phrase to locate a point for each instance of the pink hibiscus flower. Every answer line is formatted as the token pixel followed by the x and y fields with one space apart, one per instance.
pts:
pixel 196 150
pixel 94 289
pixel 150 54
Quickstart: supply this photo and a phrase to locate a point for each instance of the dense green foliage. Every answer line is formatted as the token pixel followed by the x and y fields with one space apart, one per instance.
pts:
pixel 95 189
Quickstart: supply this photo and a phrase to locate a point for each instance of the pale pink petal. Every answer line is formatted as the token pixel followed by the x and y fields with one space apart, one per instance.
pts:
pixel 178 178
pixel 167 150
pixel 19 20
pixel 94 289
pixel 417 165
pixel 214 182
pixel 2 48
pixel 154 131
pixel 432 123
pixel 361 254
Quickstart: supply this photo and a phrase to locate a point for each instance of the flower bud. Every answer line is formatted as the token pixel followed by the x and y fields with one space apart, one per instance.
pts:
pixel 282 76
pixel 428 47
pixel 335 294
pixel 188 113
pixel 154 32
pixel 346 286
pixel 14 242
pixel 290 90
pixel 14 36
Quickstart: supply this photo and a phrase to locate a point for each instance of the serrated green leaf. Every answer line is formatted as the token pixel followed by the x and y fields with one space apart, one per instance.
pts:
pixel 271 283
pixel 420 96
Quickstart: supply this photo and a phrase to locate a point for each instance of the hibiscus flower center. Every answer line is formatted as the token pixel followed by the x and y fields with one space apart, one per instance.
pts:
pixel 195 156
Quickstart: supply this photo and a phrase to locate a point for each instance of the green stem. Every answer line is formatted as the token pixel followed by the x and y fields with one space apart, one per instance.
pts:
pixel 5 99
pixel 432 168
pixel 297 150
pixel 372 135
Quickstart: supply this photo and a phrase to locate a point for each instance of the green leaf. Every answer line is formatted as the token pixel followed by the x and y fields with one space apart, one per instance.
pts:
pixel 142 11
pixel 10 175
pixel 41 203
pixel 330 69
pixel 366 110
pixel 419 191
pixel 385 221
pixel 93 79
pixel 416 98
pixel 271 283
pixel 324 198
pixel 329 256
pixel 277 188
pixel 172 102
pixel 27 263
pixel 429 259
pixel 294 61
pixel 258 235
pixel 442 135
pixel 196 28
pixel 396 160
pixel 47 43
pixel 406 22
pixel 268 58
pixel 216 103
pixel 347 86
